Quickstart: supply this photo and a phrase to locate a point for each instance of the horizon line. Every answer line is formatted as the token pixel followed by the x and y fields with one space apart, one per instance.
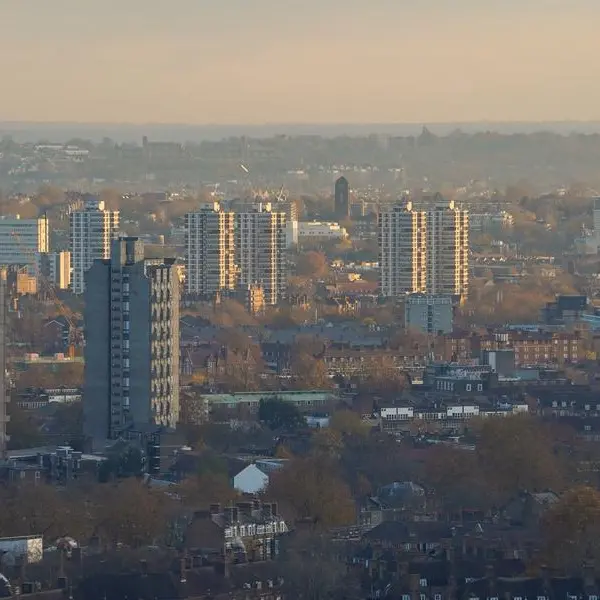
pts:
pixel 304 123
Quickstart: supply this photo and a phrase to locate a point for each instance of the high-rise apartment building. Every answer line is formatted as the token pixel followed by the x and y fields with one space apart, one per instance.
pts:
pixel 596 208
pixel 261 251
pixel 342 198
pixel 402 250
pixel 22 240
pixel 424 249
pixel 132 343
pixel 210 251
pixel 92 231
pixel 447 249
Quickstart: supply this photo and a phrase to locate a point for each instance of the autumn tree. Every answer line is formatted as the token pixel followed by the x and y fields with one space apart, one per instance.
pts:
pixel 313 570
pixel 131 513
pixel 327 442
pixel 277 414
pixel 455 477
pixel 308 368
pixel 368 462
pixel 30 509
pixel 243 362
pixel 49 195
pixel 22 428
pixel 206 488
pixel 312 345
pixel 311 489
pixel 311 264
pixel 382 378
pixel 571 531
pixel 112 198
pixel 309 373
pixel 516 453
pixel 349 423
pixel 68 375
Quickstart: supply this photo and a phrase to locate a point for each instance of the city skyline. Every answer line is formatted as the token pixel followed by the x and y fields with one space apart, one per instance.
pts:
pixel 384 61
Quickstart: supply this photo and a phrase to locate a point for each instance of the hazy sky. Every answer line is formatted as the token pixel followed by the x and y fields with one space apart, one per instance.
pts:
pixel 256 61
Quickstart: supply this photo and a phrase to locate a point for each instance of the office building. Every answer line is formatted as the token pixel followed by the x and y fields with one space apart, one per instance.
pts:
pixel 429 314
pixel 210 251
pixel 132 343
pixel 261 251
pixel 56 268
pixel 21 240
pixel 342 198
pixel 424 249
pixel 92 231
pixel 402 250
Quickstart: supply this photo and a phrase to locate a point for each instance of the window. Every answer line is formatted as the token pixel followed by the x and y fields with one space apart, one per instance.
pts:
pixel 468 387
pixel 423 582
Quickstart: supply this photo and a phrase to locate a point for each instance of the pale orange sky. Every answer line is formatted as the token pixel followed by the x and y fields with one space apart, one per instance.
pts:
pixel 256 61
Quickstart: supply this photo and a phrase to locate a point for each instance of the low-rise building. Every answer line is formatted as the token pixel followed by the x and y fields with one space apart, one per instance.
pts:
pixel 440 416
pixel 321 230
pixel 246 532
pixel 303 400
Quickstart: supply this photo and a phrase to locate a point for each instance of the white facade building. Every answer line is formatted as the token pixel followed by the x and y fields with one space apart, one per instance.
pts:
pixel 424 250
pixel 250 480
pixel 320 230
pixel 210 251
pixel 447 249
pixel 402 250
pixel 92 231
pixel 260 244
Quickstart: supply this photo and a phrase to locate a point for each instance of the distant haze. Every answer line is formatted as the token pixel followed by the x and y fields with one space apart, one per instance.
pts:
pixel 309 61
